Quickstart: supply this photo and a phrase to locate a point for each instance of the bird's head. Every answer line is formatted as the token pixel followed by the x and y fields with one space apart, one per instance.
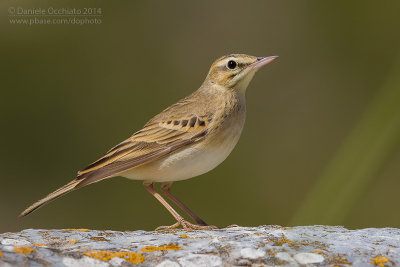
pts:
pixel 235 71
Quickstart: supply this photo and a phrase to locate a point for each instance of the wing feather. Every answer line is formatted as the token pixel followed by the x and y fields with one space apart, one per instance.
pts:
pixel 154 141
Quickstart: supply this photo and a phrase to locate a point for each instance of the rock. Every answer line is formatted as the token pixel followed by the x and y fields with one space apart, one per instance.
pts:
pixel 306 258
pixel 240 246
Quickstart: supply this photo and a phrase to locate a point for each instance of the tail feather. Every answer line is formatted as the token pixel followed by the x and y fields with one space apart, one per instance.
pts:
pixel 52 196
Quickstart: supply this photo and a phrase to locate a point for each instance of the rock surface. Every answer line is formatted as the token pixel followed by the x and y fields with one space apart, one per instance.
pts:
pixel 240 246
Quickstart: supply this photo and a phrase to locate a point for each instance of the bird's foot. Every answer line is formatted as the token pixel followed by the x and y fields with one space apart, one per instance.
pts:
pixel 232 226
pixel 187 226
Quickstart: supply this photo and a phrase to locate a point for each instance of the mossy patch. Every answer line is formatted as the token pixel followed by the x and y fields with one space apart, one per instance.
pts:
pixel 280 241
pixel 168 247
pixel 380 260
pixel 339 260
pixel 106 255
pixel 99 238
pixel 23 250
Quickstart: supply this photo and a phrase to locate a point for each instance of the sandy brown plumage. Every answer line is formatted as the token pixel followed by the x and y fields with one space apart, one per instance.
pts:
pixel 185 140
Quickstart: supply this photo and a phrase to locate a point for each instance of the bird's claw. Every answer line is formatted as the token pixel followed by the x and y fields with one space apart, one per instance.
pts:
pixel 186 226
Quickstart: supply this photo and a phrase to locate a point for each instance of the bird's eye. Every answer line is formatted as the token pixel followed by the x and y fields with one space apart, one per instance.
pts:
pixel 231 64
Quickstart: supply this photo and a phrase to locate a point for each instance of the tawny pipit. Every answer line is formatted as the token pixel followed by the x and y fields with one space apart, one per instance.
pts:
pixel 185 140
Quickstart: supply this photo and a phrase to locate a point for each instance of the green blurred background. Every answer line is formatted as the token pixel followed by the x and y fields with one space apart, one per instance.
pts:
pixel 321 143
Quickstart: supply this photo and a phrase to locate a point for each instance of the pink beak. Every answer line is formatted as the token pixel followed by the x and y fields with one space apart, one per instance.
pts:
pixel 261 61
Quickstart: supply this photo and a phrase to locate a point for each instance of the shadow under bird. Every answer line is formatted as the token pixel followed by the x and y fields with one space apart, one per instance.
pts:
pixel 185 140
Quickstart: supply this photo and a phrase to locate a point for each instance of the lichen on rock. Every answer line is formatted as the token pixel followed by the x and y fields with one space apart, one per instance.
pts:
pixel 244 246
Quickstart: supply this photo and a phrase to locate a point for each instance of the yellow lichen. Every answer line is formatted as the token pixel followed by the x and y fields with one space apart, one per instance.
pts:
pixel 184 236
pixel 38 244
pixel 318 251
pixel 131 256
pixel 106 255
pixel 379 260
pixel 152 249
pixel 73 240
pixel 80 230
pixel 1 253
pixel 99 238
pixel 103 255
pixel 339 259
pixel 282 240
pixel 23 250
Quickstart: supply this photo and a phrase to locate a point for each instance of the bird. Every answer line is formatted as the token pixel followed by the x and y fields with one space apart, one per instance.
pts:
pixel 185 140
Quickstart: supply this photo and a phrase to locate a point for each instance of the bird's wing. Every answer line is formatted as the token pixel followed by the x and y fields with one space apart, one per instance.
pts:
pixel 154 141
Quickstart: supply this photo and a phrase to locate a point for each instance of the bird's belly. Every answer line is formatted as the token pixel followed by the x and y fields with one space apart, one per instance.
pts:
pixel 189 162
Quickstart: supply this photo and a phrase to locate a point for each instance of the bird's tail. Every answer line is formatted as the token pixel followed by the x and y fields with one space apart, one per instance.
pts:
pixel 56 194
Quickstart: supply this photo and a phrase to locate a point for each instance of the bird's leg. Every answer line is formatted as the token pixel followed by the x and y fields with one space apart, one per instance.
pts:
pixel 165 187
pixel 180 220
